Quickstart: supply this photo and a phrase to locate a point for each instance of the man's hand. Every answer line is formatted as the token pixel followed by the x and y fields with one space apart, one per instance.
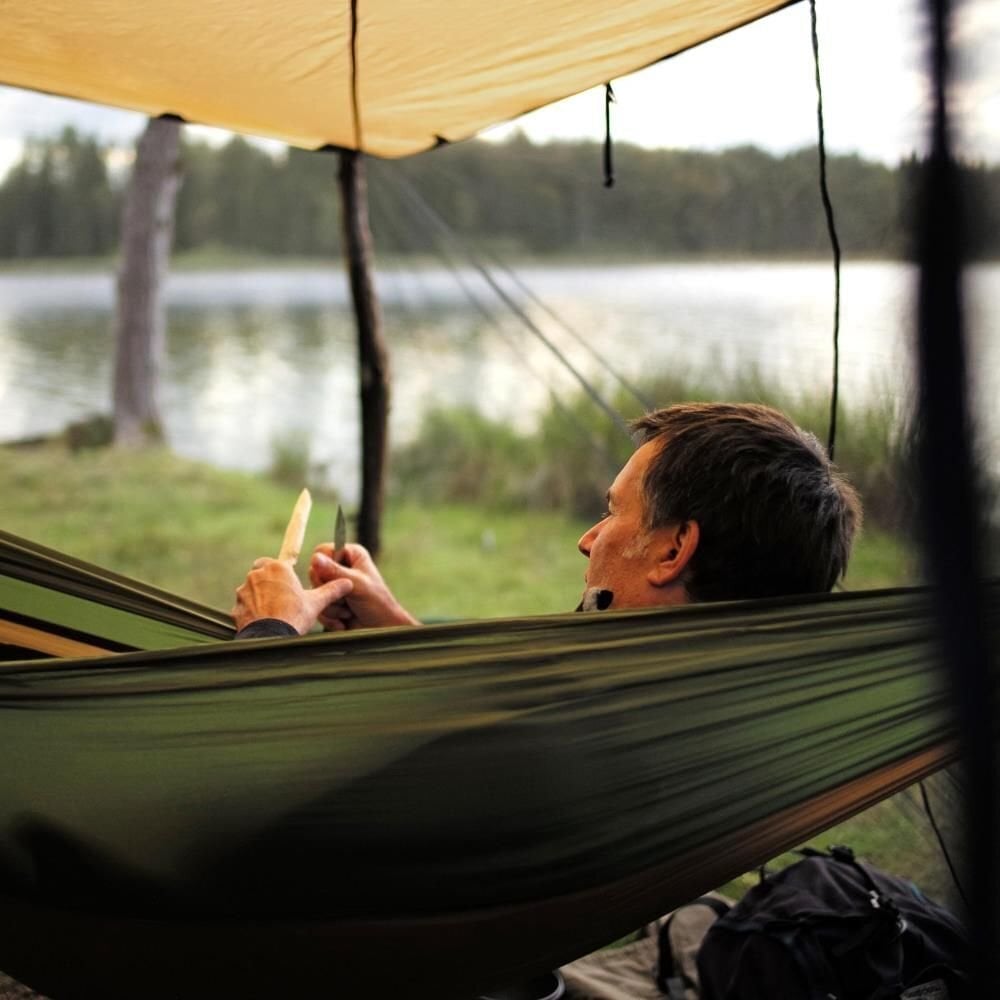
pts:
pixel 272 590
pixel 370 603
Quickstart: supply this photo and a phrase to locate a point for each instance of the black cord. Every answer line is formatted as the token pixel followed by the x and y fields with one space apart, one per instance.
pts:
pixel 941 843
pixel 450 262
pixel 637 394
pixel 406 187
pixel 497 262
pixel 834 241
pixel 354 75
pixel 609 166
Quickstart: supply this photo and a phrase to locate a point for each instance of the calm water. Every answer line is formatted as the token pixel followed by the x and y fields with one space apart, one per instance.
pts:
pixel 256 357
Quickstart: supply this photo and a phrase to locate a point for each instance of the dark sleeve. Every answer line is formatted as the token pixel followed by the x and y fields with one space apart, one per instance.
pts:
pixel 265 628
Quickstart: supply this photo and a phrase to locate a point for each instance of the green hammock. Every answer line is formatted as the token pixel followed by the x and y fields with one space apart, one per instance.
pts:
pixel 81 608
pixel 477 801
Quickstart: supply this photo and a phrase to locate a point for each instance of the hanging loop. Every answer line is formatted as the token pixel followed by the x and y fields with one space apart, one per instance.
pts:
pixel 609 167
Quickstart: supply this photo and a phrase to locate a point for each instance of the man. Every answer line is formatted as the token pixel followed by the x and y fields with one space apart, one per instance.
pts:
pixel 720 501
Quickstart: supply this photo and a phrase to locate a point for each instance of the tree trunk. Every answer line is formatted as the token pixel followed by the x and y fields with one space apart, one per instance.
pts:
pixel 373 357
pixel 140 324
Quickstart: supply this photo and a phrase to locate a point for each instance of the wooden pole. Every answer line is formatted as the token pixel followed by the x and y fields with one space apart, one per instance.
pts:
pixel 373 358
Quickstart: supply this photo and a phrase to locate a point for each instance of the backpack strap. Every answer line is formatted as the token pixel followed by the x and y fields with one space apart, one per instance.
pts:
pixel 670 980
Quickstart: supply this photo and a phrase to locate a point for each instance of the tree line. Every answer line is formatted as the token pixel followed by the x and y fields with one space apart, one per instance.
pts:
pixel 62 199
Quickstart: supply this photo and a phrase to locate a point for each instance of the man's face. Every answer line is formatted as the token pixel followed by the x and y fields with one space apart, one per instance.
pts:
pixel 620 550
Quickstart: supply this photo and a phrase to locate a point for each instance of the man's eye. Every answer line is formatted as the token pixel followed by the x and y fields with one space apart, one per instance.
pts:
pixel 606 513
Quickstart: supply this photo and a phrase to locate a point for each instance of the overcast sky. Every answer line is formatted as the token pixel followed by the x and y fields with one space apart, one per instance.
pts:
pixel 754 85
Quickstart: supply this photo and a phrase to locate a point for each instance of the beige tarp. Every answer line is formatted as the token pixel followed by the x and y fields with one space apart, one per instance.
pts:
pixel 283 68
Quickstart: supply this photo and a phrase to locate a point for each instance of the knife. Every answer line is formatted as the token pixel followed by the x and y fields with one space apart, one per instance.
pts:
pixel 339 535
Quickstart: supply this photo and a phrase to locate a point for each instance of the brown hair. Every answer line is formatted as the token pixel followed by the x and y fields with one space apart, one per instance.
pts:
pixel 775 515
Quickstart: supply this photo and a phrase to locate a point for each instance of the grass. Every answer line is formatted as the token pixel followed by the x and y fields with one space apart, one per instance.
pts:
pixel 567 460
pixel 194 530
pixel 880 560
pixel 459 561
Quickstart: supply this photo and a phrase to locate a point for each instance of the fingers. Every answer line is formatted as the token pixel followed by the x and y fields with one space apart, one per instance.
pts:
pixel 326 550
pixel 328 593
pixel 352 555
pixel 333 591
pixel 337 618
pixel 272 590
pixel 322 568
pixel 340 612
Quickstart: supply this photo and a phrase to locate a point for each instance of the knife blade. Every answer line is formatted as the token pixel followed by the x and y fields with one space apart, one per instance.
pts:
pixel 339 533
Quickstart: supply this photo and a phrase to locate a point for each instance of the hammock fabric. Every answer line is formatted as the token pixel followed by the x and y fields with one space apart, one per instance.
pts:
pixel 478 801
pixel 387 78
pixel 54 604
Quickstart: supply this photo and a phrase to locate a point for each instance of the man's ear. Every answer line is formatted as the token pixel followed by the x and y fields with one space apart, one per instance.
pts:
pixel 673 548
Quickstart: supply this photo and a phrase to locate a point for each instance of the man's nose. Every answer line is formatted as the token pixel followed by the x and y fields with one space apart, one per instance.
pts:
pixel 587 539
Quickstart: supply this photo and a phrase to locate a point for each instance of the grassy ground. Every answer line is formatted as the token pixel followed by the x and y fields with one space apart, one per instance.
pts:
pixel 195 530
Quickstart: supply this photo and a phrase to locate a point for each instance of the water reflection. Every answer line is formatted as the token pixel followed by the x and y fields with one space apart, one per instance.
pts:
pixel 256 357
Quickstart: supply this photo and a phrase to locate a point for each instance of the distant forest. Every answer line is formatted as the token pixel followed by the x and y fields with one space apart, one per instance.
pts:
pixel 62 200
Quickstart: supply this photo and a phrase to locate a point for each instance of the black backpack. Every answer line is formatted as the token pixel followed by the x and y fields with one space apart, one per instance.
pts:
pixel 832 928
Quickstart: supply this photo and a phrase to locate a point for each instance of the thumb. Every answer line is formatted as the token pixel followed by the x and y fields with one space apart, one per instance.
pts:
pixel 323 569
pixel 329 593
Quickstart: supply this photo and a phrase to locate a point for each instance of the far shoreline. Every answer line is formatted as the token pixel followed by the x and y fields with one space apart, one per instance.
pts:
pixel 200 262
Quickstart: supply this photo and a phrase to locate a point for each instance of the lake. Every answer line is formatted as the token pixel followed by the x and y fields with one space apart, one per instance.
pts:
pixel 256 357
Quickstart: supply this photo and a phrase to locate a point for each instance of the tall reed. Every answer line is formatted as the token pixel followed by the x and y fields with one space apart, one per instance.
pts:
pixel 568 460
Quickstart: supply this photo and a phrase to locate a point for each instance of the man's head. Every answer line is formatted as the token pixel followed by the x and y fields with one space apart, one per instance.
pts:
pixel 722 501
